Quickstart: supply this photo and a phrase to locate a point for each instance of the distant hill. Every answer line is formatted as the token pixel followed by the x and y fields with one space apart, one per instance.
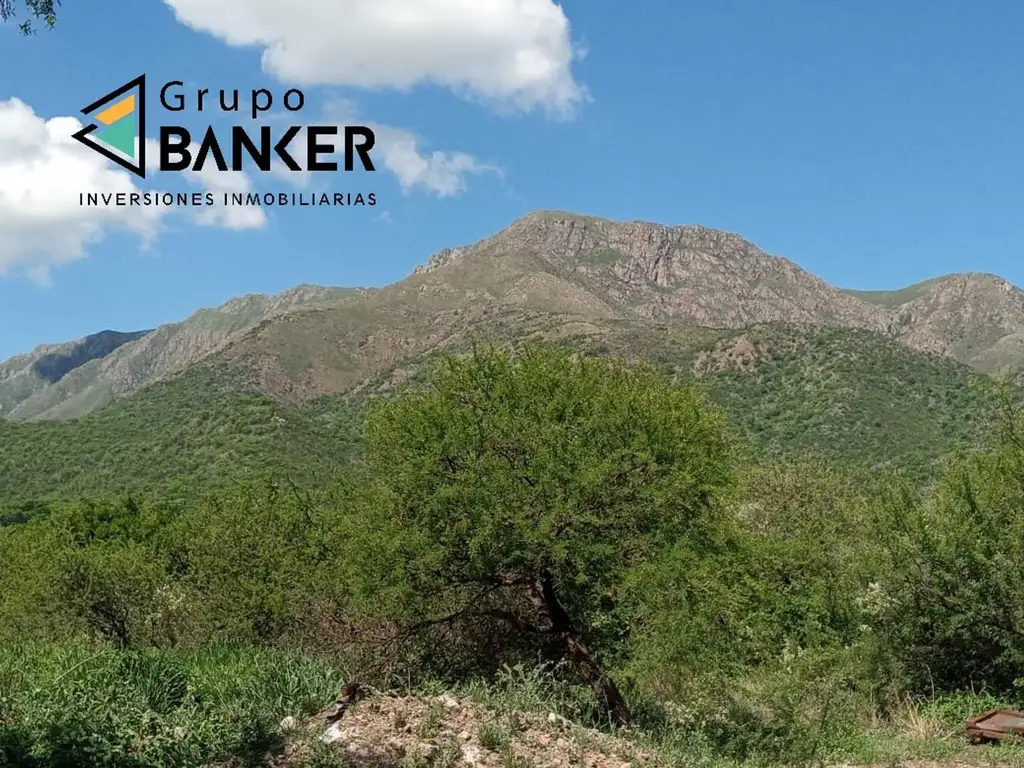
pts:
pixel 62 381
pixel 173 439
pixel 847 397
pixel 975 318
pixel 554 263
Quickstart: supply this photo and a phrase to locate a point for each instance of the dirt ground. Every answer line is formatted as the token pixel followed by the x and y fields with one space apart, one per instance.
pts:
pixel 412 732
pixel 445 731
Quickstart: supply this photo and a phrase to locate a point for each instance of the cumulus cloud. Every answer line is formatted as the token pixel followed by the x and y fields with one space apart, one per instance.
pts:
pixel 443 173
pixel 42 173
pixel 515 53
pixel 220 215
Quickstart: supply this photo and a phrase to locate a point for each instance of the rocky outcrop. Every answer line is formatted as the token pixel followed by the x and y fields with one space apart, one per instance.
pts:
pixel 967 317
pixel 689 274
pixel 445 730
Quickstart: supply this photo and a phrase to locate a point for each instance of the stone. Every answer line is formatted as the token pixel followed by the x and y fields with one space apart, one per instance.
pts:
pixel 332 735
pixel 558 720
pixel 447 701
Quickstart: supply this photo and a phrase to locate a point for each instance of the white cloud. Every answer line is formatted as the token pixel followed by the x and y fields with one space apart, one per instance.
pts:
pixel 396 150
pixel 42 172
pixel 514 53
pixel 230 216
pixel 443 173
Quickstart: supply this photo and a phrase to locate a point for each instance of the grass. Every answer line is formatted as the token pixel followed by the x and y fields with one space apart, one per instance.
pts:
pixel 63 706
pixel 494 736
pixel 897 298
pixel 916 730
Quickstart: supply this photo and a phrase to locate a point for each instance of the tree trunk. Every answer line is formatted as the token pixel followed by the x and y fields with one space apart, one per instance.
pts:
pixel 604 688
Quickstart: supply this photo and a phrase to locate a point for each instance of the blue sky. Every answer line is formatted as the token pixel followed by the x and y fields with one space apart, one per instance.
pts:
pixel 874 143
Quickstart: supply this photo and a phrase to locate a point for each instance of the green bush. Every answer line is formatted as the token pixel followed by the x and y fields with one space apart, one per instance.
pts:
pixel 523 488
pixel 946 597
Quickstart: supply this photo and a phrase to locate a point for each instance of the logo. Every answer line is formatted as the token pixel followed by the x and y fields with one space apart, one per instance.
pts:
pixel 119 132
pixel 236 137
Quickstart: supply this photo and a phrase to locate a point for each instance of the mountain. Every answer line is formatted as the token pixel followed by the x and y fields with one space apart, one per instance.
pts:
pixel 60 381
pixel 23 375
pixel 690 274
pixel 574 274
pixel 846 397
pixel 975 318
pixel 279 383
pixel 548 267
pixel 553 272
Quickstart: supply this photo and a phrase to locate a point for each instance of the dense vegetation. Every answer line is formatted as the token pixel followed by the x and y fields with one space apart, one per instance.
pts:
pixel 79 706
pixel 843 396
pixel 524 508
pixel 179 436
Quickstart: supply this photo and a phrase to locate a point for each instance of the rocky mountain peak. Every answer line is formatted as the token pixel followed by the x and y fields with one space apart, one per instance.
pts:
pixel 575 238
pixel 443 258
pixel 576 242
pixel 692 273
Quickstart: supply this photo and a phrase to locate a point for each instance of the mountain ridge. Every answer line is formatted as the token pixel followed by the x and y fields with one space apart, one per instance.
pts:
pixel 547 268
pixel 142 357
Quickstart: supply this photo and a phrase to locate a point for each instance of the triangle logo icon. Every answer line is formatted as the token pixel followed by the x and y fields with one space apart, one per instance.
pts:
pixel 118 130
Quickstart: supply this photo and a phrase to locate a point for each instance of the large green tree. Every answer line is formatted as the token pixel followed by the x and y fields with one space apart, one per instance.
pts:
pixel 523 488
pixel 38 11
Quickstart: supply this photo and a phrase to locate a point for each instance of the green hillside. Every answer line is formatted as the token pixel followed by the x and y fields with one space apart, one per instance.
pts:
pixel 176 437
pixel 897 298
pixel 851 397
pixel 848 397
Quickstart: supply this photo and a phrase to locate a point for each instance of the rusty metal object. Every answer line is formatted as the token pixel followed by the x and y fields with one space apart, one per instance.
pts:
pixel 995 725
pixel 348 696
